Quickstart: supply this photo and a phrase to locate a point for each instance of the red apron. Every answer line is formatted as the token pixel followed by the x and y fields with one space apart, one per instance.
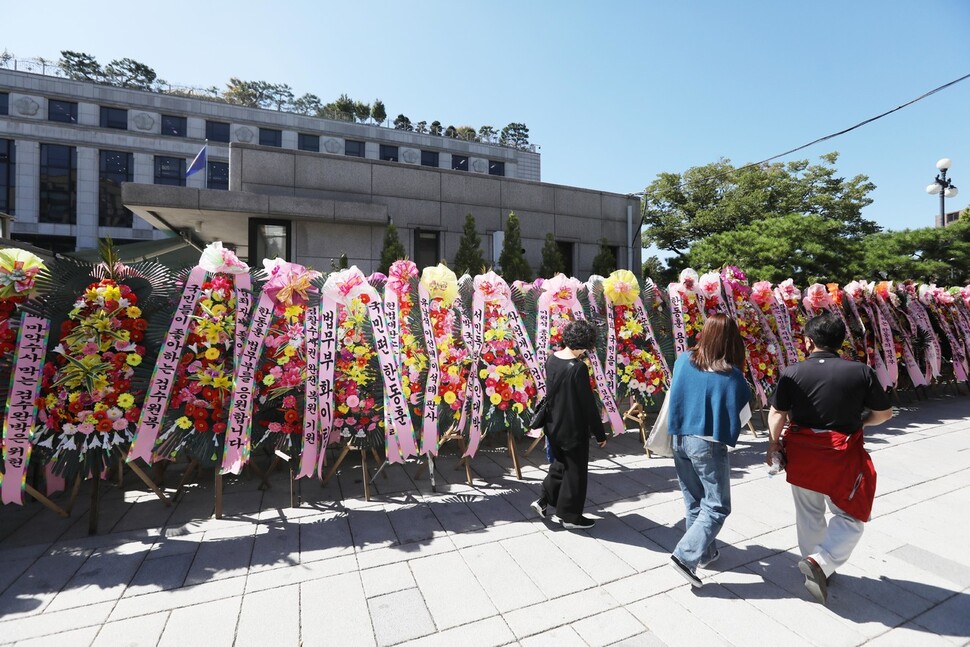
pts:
pixel 834 464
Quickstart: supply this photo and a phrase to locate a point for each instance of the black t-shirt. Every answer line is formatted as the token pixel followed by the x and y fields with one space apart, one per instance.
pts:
pixel 828 392
pixel 574 414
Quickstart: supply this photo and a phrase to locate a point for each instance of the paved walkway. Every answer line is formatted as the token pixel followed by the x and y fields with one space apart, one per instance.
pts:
pixel 472 566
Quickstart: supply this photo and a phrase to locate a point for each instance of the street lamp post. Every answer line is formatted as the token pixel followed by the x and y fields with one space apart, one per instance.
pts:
pixel 943 186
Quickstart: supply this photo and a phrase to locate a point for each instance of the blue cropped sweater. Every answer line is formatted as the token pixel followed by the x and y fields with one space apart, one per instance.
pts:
pixel 704 403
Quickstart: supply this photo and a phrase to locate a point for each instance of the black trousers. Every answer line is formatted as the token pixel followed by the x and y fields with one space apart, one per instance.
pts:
pixel 565 485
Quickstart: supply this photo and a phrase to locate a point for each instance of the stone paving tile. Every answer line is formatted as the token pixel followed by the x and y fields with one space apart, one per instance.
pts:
pixel 674 624
pixel 33 591
pixel 546 565
pixel 286 575
pixel 608 627
pixel 213 623
pixel 272 617
pixel 399 616
pixel 346 621
pixel 558 637
pixel 324 536
pixel 141 605
pixel 532 620
pixel 143 631
pixel 490 632
pixel 414 524
pixel 66 639
pixel 451 591
pixel 55 622
pixel 908 635
pixel 394 554
pixel 387 579
pixel 646 639
pixel 507 585
pixel 592 556
pixel 103 577
pixel 275 544
pixel 951 618
pixel 644 585
pixel 160 574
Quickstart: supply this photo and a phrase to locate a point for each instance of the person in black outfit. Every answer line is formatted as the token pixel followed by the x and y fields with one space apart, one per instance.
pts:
pixel 573 418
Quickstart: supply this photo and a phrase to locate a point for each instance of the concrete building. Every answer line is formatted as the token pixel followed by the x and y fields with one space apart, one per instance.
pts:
pixel 81 161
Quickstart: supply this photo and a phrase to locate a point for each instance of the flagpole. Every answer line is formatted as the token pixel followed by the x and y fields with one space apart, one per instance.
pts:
pixel 206 146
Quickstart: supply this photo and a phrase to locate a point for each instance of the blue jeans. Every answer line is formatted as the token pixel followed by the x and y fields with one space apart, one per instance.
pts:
pixel 704 472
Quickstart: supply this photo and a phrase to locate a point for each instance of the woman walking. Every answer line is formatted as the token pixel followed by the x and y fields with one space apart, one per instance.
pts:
pixel 573 418
pixel 707 395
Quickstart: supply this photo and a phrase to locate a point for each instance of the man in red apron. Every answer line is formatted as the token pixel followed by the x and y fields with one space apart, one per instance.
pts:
pixel 822 405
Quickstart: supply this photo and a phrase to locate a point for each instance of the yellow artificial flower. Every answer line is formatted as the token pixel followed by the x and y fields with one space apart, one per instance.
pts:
pixel 133 359
pixel 218 309
pixel 184 422
pixel 621 287
pixel 450 397
pixel 126 400
pixel 221 382
pixel 292 312
pixel 211 353
pixel 289 351
pixel 495 398
pixel 441 283
pixel 134 312
pixel 269 380
pixel 518 407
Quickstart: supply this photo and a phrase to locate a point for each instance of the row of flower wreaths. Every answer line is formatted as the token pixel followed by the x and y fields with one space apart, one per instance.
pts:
pixel 219 359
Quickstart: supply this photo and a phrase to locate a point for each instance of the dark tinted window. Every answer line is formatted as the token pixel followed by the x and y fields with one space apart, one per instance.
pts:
pixel 114 118
pixel 429 158
pixel 58 184
pixel 268 239
pixel 270 137
pixel 388 153
pixel 217 131
pixel 64 111
pixel 426 248
pixel 170 171
pixel 174 126
pixel 116 167
pixel 309 143
pixel 459 163
pixel 354 148
pixel 218 176
pixel 496 168
pixel 4 103
pixel 8 164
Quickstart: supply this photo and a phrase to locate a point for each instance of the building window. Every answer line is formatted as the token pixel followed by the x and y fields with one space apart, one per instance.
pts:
pixel 353 148
pixel 4 103
pixel 498 168
pixel 270 137
pixel 426 247
pixel 54 244
pixel 459 163
pixel 218 177
pixel 174 126
pixel 388 153
pixel 63 111
pixel 268 239
pixel 216 131
pixel 429 158
pixel 58 184
pixel 309 143
pixel 116 167
pixel 170 170
pixel 114 118
pixel 566 250
pixel 7 175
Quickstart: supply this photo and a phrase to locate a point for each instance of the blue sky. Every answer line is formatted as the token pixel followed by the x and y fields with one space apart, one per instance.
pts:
pixel 614 92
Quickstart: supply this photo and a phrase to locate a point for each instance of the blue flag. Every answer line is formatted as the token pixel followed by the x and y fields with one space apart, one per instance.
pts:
pixel 198 163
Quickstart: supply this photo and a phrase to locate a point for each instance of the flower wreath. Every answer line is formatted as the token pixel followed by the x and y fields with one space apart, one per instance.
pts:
pixel 760 344
pixel 687 315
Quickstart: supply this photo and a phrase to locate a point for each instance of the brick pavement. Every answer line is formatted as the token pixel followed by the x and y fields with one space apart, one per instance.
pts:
pixel 472 566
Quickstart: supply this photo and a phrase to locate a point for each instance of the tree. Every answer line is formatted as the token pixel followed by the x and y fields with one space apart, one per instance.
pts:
pixel 308 104
pixel 515 135
pixel 679 210
pixel 252 94
pixel 450 132
pixel 128 73
pixel 80 66
pixel 435 128
pixel 467 133
pixel 340 108
pixel 392 251
pixel 653 268
pixel 362 111
pixel 279 95
pixel 605 261
pixel 403 123
pixel 421 127
pixel 469 257
pixel 378 111
pixel 552 260
pixel 931 254
pixel 487 134
pixel 512 259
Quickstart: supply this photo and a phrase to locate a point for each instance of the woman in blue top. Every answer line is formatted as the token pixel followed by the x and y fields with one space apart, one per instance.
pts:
pixel 707 395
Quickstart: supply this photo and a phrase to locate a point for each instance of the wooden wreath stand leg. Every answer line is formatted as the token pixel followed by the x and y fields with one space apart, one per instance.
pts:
pixel 515 455
pixel 47 503
pixel 95 502
pixel 451 434
pixel 638 414
pixel 189 471
pixel 75 491
pixel 363 468
pixel 535 443
pixel 140 473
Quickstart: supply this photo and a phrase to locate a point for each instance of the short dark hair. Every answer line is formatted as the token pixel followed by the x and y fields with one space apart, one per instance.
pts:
pixel 826 330
pixel 720 346
pixel 579 335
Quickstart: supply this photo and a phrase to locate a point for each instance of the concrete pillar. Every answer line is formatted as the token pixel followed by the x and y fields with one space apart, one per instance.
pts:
pixel 87 198
pixel 28 181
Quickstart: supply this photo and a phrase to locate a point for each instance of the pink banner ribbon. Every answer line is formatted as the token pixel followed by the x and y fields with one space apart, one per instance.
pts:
pixel 312 400
pixel 429 426
pixel 677 307
pixel 328 359
pixel 18 423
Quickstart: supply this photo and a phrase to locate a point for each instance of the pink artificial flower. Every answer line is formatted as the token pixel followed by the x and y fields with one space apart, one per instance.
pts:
pixel 400 274
pixel 688 278
pixel 788 290
pixel 761 292
pixel 817 297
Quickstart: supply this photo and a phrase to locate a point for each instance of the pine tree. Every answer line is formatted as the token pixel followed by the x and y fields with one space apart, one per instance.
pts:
pixel 512 260
pixel 605 261
pixel 552 260
pixel 469 257
pixel 392 251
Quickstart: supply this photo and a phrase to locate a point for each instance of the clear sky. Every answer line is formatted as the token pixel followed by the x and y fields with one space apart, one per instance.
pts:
pixel 614 92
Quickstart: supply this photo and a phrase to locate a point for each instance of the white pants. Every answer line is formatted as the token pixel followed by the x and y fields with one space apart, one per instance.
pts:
pixel 830 545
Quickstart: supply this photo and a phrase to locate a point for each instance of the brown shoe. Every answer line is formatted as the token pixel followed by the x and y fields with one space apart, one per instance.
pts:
pixel 815 580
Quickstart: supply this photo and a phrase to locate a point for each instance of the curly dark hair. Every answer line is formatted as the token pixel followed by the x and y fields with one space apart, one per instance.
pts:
pixel 579 335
